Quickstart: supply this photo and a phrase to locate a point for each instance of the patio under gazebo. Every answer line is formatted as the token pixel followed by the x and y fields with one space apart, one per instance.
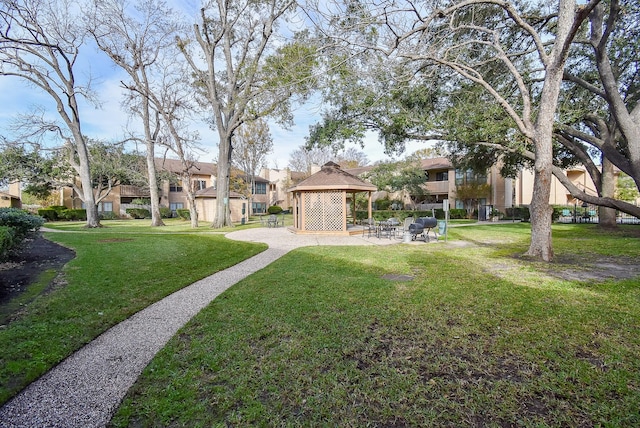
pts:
pixel 320 202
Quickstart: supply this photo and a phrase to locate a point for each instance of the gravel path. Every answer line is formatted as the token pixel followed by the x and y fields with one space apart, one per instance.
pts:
pixel 86 388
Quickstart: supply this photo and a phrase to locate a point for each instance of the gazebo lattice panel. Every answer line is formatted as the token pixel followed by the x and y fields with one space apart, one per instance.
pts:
pixel 323 210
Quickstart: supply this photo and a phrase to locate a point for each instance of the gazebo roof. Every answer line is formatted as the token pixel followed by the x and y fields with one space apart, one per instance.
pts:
pixel 331 177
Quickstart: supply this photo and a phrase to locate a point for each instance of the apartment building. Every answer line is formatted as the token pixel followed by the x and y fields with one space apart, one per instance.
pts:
pixel 443 181
pixel 10 197
pixel 173 193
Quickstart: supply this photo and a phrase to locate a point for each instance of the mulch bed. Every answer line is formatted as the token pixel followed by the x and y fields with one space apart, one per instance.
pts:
pixel 23 267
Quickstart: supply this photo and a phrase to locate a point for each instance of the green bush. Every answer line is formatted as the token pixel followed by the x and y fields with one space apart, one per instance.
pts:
pixel 383 204
pixel 57 208
pixel 23 224
pixel 73 215
pixel 165 212
pixel 6 241
pixel 141 201
pixel 457 213
pixel 521 213
pixel 108 215
pixel 184 214
pixel 48 214
pixel 138 213
pixel 274 209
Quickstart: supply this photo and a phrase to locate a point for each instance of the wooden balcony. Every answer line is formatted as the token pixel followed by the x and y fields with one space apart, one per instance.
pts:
pixel 134 191
pixel 437 187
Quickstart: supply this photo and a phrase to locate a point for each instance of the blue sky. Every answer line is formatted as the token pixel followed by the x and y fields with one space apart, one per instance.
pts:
pixel 109 121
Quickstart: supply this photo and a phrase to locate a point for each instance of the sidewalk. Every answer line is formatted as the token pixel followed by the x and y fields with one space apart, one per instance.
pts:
pixel 86 388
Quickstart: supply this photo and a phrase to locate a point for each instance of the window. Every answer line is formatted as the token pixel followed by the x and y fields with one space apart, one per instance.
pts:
pixel 175 187
pixel 199 185
pixel 176 206
pixel 469 176
pixel 459 176
pixel 105 207
pixel 442 176
pixel 259 188
pixel 258 207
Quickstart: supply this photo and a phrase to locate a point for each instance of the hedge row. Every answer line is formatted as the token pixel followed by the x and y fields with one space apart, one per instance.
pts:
pixel 58 212
pixel 138 213
pixel 16 226
pixel 402 214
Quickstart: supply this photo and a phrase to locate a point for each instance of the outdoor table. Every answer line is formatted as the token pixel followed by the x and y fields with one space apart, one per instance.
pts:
pixel 387 227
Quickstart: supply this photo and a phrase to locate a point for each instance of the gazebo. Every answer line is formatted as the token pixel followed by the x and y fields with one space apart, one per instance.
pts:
pixel 320 201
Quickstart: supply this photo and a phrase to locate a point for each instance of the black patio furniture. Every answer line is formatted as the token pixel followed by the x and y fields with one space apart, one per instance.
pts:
pixel 388 228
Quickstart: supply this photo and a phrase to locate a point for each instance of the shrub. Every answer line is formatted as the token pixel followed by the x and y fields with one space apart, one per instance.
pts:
pixel 383 204
pixel 141 201
pixel 274 209
pixel 183 214
pixel 457 213
pixel 23 224
pixel 48 214
pixel 138 213
pixel 518 212
pixel 108 215
pixel 6 241
pixel 165 212
pixel 57 208
pixel 73 215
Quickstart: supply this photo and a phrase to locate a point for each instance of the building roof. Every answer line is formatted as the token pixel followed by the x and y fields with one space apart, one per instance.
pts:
pixel 426 164
pixel 332 177
pixel 436 163
pixel 175 166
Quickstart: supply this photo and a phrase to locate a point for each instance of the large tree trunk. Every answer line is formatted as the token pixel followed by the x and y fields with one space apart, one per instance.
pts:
pixel 607 215
pixel 156 218
pixel 223 213
pixel 541 212
pixel 93 220
pixel 191 194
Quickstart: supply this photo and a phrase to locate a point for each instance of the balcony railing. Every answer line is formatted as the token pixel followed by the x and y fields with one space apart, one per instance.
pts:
pixel 437 187
pixel 133 191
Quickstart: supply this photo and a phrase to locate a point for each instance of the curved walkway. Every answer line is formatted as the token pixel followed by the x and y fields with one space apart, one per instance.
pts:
pixel 87 387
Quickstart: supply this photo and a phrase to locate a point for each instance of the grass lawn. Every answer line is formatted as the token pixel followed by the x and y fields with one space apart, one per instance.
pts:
pixel 118 270
pixel 478 337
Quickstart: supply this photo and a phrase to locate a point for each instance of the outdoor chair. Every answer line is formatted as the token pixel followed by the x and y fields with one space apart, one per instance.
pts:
pixel 407 223
pixel 272 221
pixel 369 225
pixel 388 228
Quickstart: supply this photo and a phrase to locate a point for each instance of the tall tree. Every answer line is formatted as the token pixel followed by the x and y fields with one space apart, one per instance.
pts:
pixel 40 42
pixel 249 72
pixel 42 170
pixel 136 37
pixel 251 146
pixel 303 158
pixel 406 177
pixel 515 53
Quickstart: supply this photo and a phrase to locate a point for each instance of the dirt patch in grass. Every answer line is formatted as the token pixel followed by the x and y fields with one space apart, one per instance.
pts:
pixel 25 266
pixel 594 269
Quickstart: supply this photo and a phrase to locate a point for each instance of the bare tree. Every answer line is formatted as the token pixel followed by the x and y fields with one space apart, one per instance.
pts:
pixel 251 146
pixel 244 76
pixel 136 37
pixel 40 43
pixel 302 158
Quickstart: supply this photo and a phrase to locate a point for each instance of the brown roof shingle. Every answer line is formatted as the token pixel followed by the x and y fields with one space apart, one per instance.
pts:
pixel 332 177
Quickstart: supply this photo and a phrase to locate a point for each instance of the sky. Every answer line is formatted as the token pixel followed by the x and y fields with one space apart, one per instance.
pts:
pixel 109 121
